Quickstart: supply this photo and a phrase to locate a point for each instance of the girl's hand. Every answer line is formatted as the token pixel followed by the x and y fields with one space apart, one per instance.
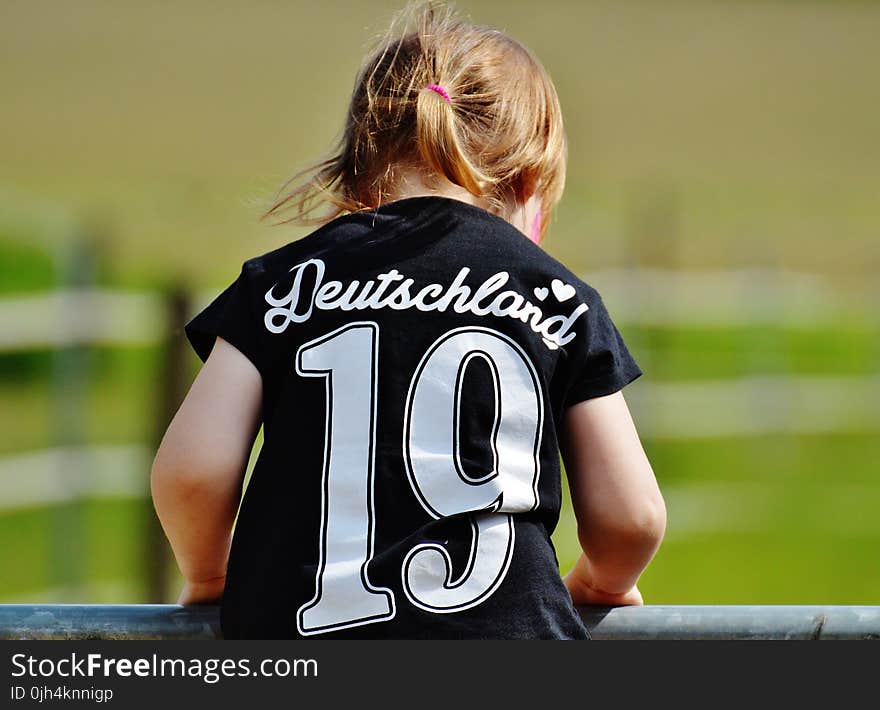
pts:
pixel 207 592
pixel 579 584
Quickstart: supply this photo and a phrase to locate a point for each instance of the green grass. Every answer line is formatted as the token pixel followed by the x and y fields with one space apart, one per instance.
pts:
pixel 103 539
pixel 789 460
pixel 119 403
pixel 688 353
pixel 24 267
pixel 755 568
pixel 770 520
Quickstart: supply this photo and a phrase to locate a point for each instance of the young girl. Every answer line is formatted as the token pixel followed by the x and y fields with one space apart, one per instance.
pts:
pixel 417 364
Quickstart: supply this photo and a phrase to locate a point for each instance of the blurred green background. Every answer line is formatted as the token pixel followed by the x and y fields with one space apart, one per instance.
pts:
pixel 723 195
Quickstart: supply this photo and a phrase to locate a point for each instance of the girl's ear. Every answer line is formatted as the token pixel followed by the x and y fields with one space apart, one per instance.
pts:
pixel 533 211
pixel 523 210
pixel 530 202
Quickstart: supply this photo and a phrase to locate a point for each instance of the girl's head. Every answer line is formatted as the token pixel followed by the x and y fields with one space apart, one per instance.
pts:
pixel 451 102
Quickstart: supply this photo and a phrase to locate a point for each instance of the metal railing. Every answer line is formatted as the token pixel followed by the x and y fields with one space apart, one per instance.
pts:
pixel 170 621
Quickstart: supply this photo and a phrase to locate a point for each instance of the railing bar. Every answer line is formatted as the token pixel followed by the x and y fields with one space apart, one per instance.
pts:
pixel 660 622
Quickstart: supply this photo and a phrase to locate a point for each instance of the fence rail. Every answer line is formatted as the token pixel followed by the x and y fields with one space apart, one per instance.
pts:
pixel 170 621
pixel 88 314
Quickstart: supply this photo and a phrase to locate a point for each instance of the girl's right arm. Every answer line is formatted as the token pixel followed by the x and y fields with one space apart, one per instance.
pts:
pixel 621 515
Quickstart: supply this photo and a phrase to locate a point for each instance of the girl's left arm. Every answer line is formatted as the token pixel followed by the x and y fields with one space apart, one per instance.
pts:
pixel 198 473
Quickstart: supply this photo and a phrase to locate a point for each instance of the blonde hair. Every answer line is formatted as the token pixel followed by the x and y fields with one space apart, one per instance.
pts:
pixel 499 134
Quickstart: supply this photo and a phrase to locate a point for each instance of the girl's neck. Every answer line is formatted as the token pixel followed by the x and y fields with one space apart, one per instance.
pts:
pixel 411 183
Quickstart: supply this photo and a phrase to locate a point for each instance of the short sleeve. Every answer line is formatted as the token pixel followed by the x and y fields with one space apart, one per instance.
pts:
pixel 231 316
pixel 600 361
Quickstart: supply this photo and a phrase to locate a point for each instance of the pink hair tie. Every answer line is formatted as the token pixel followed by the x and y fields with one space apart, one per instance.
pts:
pixel 440 90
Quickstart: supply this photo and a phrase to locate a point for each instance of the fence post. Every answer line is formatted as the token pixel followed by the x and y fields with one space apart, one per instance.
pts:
pixel 71 368
pixel 171 389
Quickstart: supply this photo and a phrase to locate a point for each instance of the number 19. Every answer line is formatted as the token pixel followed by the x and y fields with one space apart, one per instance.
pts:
pixel 347 360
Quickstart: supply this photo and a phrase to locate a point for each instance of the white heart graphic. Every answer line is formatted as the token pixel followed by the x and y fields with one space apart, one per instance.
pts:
pixel 562 291
pixel 541 293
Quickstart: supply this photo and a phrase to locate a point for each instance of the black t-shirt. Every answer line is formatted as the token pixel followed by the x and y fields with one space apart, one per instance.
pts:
pixel 416 361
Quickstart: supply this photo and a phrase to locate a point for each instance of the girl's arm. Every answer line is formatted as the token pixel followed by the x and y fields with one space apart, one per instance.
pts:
pixel 198 472
pixel 620 511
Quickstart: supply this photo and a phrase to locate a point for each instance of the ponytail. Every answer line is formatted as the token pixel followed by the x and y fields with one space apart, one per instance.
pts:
pixel 439 143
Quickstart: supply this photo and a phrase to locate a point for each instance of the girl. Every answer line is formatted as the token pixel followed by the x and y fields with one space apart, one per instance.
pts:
pixel 417 363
